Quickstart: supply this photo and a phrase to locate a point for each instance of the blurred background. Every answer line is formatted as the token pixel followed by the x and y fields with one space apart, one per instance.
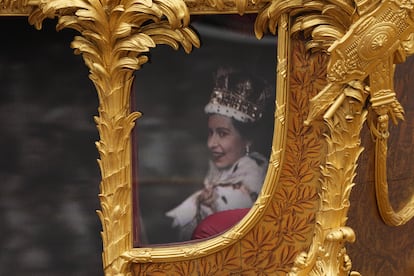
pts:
pixel 49 174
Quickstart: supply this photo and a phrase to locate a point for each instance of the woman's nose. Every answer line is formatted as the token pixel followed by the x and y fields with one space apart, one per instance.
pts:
pixel 212 141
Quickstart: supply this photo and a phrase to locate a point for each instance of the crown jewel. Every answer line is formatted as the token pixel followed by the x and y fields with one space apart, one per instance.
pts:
pixel 238 95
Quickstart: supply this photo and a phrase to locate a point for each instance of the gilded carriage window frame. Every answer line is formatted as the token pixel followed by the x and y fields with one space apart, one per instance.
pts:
pixel 195 249
pixel 346 45
pixel 112 77
pixel 172 169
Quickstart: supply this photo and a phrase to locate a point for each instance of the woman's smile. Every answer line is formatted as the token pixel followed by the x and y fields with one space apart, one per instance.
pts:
pixel 215 156
pixel 224 141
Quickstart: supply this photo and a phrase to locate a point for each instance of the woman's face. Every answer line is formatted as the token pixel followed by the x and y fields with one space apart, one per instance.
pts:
pixel 224 141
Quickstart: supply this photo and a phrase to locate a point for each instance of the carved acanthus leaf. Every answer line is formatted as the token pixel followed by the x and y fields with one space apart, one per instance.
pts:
pixel 115 36
pixel 327 21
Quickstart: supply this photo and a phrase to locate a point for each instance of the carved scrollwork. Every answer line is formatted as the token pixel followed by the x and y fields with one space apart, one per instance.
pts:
pixel 362 38
pixel 360 45
pixel 385 106
pixel 367 50
pixel 115 35
pixel 375 35
pixel 225 6
pixel 16 7
pixel 327 255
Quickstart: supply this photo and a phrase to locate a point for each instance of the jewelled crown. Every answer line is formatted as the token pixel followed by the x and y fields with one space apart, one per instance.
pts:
pixel 238 95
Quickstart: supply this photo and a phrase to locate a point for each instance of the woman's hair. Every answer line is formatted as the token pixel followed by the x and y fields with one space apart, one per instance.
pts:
pixel 246 130
pixel 258 133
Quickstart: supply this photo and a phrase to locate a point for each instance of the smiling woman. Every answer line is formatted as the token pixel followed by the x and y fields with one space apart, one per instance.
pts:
pixel 171 140
pixel 236 172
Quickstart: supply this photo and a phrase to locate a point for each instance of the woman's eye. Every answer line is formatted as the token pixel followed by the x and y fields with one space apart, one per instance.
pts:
pixel 222 133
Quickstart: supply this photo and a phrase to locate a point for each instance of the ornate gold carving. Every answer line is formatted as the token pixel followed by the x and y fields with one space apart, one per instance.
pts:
pixel 286 224
pixel 115 37
pixel 380 249
pixel 225 6
pixel 112 52
pixel 24 7
pixel 366 49
pixel 327 255
pixel 373 37
pixel 384 105
pixel 16 7
pixel 363 39
pixel 303 151
pixel 286 212
pixel 232 244
pixel 386 36
pixel 387 212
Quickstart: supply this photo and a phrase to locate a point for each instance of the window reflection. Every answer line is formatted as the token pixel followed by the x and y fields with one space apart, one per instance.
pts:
pixel 236 170
pixel 177 163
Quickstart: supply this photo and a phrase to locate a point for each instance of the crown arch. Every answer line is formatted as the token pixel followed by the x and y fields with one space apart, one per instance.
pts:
pixel 298 223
